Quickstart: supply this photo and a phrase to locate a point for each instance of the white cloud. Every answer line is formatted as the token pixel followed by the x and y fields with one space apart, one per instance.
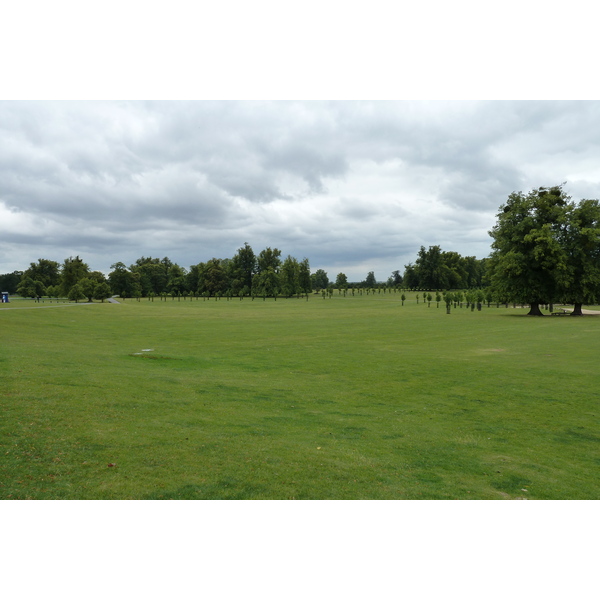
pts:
pixel 358 185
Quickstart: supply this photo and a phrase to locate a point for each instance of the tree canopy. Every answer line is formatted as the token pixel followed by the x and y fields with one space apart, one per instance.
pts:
pixel 546 249
pixel 436 269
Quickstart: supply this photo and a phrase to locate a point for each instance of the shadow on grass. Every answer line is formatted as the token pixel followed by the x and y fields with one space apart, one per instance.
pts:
pixel 521 316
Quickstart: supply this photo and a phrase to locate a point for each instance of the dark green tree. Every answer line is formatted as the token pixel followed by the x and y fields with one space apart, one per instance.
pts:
pixel 289 276
pixel 212 277
pixel 76 293
pixel 10 281
pixel 370 281
pixel 266 283
pixel 433 272
pixel 269 259
pixel 319 280
pixel 46 271
pixel 411 279
pixel 72 270
pixel 529 264
pixel 102 291
pixel 243 267
pixel 304 280
pixel 176 279
pixel 153 274
pixel 581 239
pixel 87 286
pixel 122 281
pixel 29 288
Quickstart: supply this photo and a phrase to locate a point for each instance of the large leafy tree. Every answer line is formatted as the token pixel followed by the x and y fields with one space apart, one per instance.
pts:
pixel 304 280
pixel 370 281
pixel 529 261
pixel 434 273
pixel 266 283
pixel 269 258
pixel 122 281
pixel 10 281
pixel 319 279
pixel 341 281
pixel 581 239
pixel 72 271
pixel 76 293
pixel 411 277
pixel 290 276
pixel 46 271
pixel 29 288
pixel 102 291
pixel 242 268
pixel 176 282
pixel 153 274
pixel 212 277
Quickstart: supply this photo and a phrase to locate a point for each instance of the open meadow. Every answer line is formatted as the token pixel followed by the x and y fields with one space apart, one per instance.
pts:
pixel 354 397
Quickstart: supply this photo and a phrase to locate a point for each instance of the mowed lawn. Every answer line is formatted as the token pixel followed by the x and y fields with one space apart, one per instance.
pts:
pixel 342 398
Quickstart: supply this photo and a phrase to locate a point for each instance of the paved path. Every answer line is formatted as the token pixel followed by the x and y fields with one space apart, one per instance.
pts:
pixel 585 311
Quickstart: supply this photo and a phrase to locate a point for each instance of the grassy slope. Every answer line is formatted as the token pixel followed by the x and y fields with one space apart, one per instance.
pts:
pixel 353 397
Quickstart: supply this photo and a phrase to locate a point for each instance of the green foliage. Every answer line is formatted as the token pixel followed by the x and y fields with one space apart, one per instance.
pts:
pixel 76 293
pixel 10 281
pixel 28 288
pixel 304 279
pixel 289 277
pixel 102 291
pixel 243 268
pixel 269 259
pixel 266 283
pixel 341 281
pixel 87 286
pixel 435 270
pixel 546 249
pixel 581 239
pixel 396 278
pixel 319 280
pixel 152 274
pixel 45 271
pixel 370 281
pixel 72 271
pixel 122 281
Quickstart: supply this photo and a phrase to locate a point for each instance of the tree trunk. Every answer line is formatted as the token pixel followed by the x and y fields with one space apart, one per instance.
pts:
pixel 535 311
pixel 577 312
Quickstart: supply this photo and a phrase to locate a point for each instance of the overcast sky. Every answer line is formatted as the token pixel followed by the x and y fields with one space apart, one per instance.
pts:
pixel 353 186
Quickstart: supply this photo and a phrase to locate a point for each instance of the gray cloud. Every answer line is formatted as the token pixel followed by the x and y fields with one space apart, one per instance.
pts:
pixel 358 185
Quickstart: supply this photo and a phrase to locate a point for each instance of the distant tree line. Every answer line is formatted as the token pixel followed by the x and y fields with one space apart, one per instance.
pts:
pixel 545 249
pixel 265 274
pixel 245 274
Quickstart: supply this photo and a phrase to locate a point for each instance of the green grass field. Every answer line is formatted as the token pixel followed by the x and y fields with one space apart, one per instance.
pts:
pixel 343 398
